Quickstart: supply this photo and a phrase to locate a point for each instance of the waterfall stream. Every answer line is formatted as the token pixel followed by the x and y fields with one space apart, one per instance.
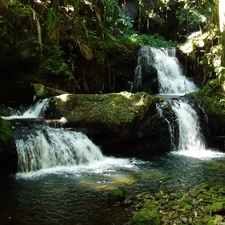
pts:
pixel 35 111
pixel 41 147
pixel 46 147
pixel 64 178
pixel 172 82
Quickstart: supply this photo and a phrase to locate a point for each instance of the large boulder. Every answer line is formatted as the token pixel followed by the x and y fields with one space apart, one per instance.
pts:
pixel 120 123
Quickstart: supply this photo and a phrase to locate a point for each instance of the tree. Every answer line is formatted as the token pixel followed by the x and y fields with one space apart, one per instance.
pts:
pixel 222 28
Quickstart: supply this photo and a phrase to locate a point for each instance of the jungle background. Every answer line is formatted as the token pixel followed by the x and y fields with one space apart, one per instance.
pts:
pixel 90 46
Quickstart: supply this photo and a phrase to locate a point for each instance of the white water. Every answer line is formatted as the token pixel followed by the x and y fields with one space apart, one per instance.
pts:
pixel 190 137
pixel 35 111
pixel 43 150
pixel 50 149
pixel 170 75
pixel 173 83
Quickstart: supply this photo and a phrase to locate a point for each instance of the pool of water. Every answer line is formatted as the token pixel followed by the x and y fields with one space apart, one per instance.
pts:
pixel 78 195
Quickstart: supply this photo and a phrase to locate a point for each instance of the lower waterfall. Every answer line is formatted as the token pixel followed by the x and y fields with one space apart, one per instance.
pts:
pixel 45 149
pixel 49 147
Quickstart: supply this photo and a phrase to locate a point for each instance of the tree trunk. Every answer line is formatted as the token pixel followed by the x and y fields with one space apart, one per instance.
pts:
pixel 222 28
pixel 4 4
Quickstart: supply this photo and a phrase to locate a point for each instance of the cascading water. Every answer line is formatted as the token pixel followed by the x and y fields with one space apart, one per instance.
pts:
pixel 41 147
pixel 170 76
pixel 190 137
pixel 35 111
pixel 46 147
pixel 172 82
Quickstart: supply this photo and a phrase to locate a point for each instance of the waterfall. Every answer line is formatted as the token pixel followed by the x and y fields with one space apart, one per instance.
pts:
pixel 170 75
pixel 190 136
pixel 41 147
pixel 44 147
pixel 35 111
pixel 173 82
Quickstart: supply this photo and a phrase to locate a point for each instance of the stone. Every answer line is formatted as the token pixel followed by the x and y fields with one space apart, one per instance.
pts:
pixel 115 195
pixel 124 122
pixel 212 222
pixel 146 217
pixel 216 207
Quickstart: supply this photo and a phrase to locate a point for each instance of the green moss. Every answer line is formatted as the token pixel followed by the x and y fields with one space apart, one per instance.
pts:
pixel 207 218
pixel 212 97
pixel 115 195
pixel 203 186
pixel 150 205
pixel 212 222
pixel 114 110
pixel 40 91
pixel 216 207
pixel 146 217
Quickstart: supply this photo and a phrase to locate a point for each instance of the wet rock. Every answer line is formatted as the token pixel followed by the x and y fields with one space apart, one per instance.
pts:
pixel 212 222
pixel 150 82
pixel 216 207
pixel 150 205
pixel 218 218
pixel 184 220
pixel 173 196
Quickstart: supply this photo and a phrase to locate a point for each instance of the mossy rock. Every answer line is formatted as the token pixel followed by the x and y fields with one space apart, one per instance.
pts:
pixel 216 207
pixel 150 205
pixel 6 134
pixel 146 217
pixel 203 186
pixel 40 91
pixel 212 222
pixel 115 195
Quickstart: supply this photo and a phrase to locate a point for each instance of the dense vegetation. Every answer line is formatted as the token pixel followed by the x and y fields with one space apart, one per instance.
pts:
pixel 81 46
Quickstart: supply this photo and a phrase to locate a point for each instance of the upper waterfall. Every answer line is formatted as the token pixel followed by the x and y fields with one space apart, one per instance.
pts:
pixel 170 76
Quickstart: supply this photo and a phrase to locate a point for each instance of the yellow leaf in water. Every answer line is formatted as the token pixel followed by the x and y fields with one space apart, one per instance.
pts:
pixel 100 187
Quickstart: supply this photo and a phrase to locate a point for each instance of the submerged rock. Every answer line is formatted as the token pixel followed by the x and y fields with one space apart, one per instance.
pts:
pixel 115 195
pixel 121 123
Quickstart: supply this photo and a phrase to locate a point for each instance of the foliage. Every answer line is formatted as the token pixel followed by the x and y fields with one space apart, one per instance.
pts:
pixel 152 40
pixel 53 66
pixel 213 97
pixel 190 20
pixel 18 45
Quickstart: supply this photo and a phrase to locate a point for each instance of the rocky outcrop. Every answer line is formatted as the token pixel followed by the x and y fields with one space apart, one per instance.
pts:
pixel 120 123
pixel 8 153
pixel 150 82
